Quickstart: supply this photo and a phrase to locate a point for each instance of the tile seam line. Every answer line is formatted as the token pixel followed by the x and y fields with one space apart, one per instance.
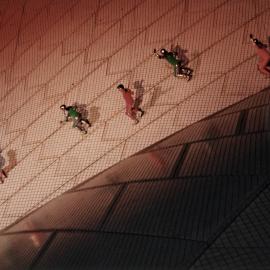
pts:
pixel 53 77
pixel 208 48
pixel 108 30
pixel 69 180
pixel 44 141
pixel 8 18
pixel 234 31
pixel 140 32
pixel 8 44
pixel 247 133
pixel 192 25
pixel 180 160
pixel 43 249
pixel 190 96
pixel 37 14
pixel 131 11
pixel 213 44
pixel 6 201
pixel 122 152
pixel 252 107
pixel 94 176
pixel 18 36
pixel 216 115
pixel 44 112
pixel 56 160
pixel 75 29
pixel 146 59
pixel 140 181
pixel 233 135
pixel 125 140
pixel 111 207
pixel 136 35
pixel 160 179
pixel 36 40
pixel 76 230
pixel 46 85
pixel 46 6
pixel 127 183
pixel 209 12
pixel 155 21
pixel 56 47
pixel 24 77
pixel 163 79
pixel 103 33
pixel 40 145
pixel 234 215
pixel 57 21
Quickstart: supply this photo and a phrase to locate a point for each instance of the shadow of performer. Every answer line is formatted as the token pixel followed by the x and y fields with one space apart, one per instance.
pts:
pixel 2 171
pixel 181 54
pixel 81 108
pixel 139 95
pixel 94 113
pixel 12 162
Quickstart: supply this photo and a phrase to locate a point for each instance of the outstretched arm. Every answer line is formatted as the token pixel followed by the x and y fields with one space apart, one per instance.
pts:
pixel 158 55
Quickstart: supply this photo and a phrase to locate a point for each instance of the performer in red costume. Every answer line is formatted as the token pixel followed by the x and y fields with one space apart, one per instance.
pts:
pixel 264 56
pixel 131 111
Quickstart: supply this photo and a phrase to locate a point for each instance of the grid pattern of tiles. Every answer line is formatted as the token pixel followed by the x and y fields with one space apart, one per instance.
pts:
pixel 65 51
pixel 244 244
pixel 180 217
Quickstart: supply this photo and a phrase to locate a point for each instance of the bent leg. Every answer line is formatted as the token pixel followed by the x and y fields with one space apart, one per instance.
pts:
pixel 84 120
pixel 77 122
pixel 131 113
pixel 178 70
pixel 175 70
pixel 4 173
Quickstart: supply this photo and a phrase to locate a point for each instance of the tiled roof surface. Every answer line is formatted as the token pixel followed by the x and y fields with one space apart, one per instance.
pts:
pixel 196 200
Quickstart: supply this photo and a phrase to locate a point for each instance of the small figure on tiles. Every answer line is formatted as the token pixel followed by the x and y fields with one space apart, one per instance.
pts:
pixel 131 107
pixel 264 56
pixel 178 66
pixel 3 174
pixel 72 113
